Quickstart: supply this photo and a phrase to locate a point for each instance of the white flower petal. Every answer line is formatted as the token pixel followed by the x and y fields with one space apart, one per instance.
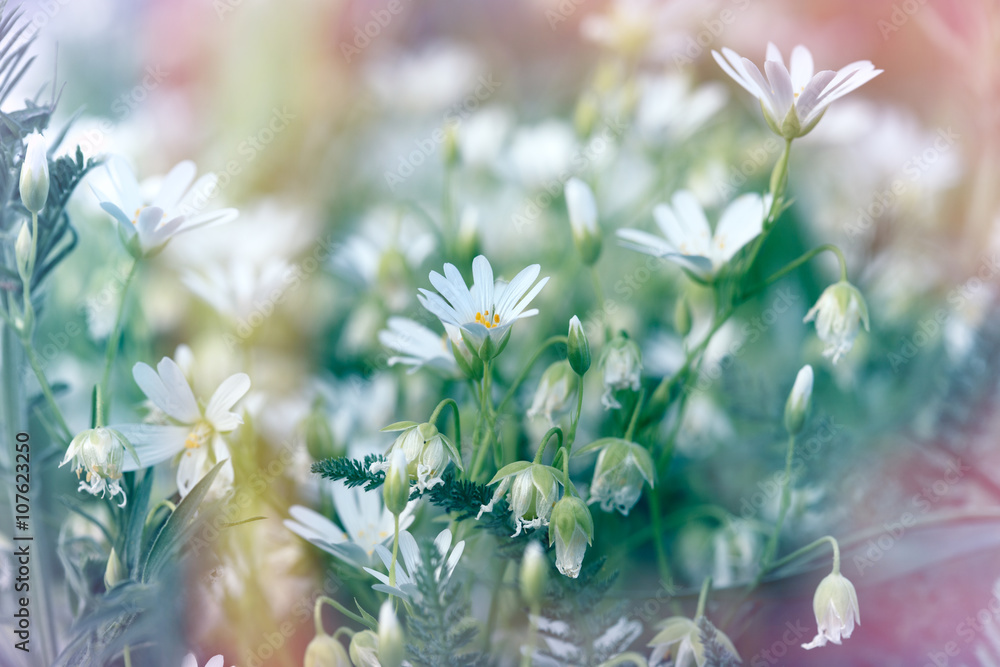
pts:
pixel 225 397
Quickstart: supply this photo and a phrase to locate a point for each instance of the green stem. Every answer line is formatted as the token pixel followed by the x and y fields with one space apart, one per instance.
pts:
pixel 554 340
pixel 485 424
pixel 36 366
pixel 786 494
pixel 599 296
pixel 395 552
pixel 341 608
pixel 706 585
pixel 112 345
pixel 630 432
pixel 571 437
pixel 554 431
pixel 806 549
pixel 827 247
pixel 127 654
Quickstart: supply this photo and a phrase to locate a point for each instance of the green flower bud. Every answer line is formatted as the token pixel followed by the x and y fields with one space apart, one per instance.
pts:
pixel 578 347
pixel 325 651
pixel 571 529
pixel 364 649
pixel 839 314
pixel 797 406
pixel 35 174
pixel 836 607
pixel 396 489
pixel 427 451
pixel 391 644
pixel 23 254
pixel 531 490
pixel 450 152
pixel 621 364
pixel 534 574
pixel 114 572
pixel 319 436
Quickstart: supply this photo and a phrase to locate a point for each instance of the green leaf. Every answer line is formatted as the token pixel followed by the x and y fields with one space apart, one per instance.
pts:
pixel 399 426
pixel 131 545
pixel 596 444
pixel 508 470
pixel 179 525
pixel 370 620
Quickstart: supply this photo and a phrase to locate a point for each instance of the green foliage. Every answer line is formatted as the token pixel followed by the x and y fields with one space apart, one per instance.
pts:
pixel 440 628
pixel 716 654
pixel 351 471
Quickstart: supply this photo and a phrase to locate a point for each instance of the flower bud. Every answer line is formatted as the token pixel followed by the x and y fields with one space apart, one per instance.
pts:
pixel 35 174
pixel 114 572
pixel 325 651
pixel 571 530
pixel 586 115
pixel 391 644
pixel 836 607
pixel 621 469
pixel 427 452
pixel 582 210
pixel 839 313
pixel 531 490
pixel 100 453
pixel 450 152
pixel 797 406
pixel 680 638
pixel 682 316
pixel 396 489
pixel 364 649
pixel 23 253
pixel 555 390
pixel 534 574
pixel 578 347
pixel 621 364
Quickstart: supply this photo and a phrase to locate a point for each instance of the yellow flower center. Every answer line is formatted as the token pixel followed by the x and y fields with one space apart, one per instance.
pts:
pixel 199 435
pixel 484 319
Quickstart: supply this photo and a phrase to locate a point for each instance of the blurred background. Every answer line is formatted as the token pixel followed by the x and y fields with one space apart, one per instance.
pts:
pixel 367 142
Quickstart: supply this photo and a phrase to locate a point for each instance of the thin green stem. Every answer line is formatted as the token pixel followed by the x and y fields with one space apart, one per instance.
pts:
pixel 599 296
pixel 706 586
pixel 786 494
pixel 630 431
pixel 798 553
pixel 127 654
pixel 395 551
pixel 36 366
pixel 554 431
pixel 112 345
pixel 484 426
pixel 529 648
pixel 571 437
pixel 341 608
pixel 827 247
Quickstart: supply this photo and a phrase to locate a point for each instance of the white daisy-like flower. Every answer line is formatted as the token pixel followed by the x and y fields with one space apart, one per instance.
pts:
pixel 418 346
pixel 366 522
pixel 406 570
pixel 195 431
pixel 690 242
pixel 839 313
pixel 486 312
pixel 191 661
pixel 146 225
pixel 240 289
pixel 836 607
pixel 793 102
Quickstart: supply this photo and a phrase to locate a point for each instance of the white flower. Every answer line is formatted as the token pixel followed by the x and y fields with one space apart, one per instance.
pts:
pixel 797 405
pixel 486 312
pixel 671 108
pixel 34 183
pixel 582 209
pixel 426 451
pixel 571 530
pixel 839 313
pixel 680 638
pixel 391 643
pixel 418 346
pixel 147 225
pixel 191 661
pixel 195 429
pixel 406 587
pixel 621 365
pixel 621 469
pixel 793 102
pixel 100 453
pixel 836 608
pixel 555 390
pixel 534 489
pixel 366 522
pixel 239 289
pixel 689 240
